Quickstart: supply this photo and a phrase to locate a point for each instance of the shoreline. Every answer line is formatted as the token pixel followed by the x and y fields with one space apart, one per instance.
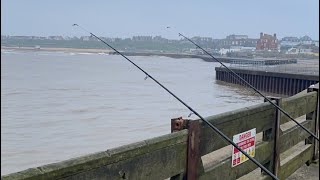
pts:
pixel 57 49
pixel 207 58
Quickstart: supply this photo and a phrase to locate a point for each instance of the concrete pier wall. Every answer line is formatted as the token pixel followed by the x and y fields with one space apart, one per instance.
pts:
pixel 272 82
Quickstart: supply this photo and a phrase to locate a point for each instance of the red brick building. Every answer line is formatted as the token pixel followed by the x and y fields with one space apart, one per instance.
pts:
pixel 267 42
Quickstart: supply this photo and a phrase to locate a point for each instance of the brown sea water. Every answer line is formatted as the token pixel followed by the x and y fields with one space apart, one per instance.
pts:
pixel 56 105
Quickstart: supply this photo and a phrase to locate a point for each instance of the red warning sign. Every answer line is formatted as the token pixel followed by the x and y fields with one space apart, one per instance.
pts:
pixel 246 141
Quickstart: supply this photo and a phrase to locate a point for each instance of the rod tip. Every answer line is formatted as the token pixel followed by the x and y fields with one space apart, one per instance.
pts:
pixel 74 24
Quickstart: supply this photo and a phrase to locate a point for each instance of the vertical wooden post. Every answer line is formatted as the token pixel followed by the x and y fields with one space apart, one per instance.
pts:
pixel 314 116
pixel 273 135
pixel 178 124
pixel 193 149
pixel 193 154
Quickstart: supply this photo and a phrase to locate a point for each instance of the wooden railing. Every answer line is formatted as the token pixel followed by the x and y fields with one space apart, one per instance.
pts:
pixel 179 155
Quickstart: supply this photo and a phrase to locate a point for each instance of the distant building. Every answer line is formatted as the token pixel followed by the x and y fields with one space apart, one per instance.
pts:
pixel 55 38
pixel 267 42
pixel 67 38
pixel 289 41
pixel 202 39
pixel 21 37
pixel 233 36
pixel 306 40
pixel 142 38
pixel 85 38
pixel 159 39
pixel 242 49
pixel 237 40
pixel 303 49
pixel 292 51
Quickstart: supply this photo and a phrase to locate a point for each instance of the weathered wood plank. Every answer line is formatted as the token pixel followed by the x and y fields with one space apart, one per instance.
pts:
pixel 159 164
pixel 290 165
pixel 234 122
pixel 168 151
pixel 294 135
pixel 298 105
pixel 223 170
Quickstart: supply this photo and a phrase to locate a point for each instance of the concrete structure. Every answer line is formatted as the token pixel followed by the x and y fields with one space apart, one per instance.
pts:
pixel 272 82
pixel 267 42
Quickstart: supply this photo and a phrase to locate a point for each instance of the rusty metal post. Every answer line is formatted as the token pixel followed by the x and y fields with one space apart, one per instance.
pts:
pixel 314 116
pixel 178 124
pixel 274 135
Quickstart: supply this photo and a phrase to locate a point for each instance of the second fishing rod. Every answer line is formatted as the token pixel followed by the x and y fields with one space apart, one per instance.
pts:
pixel 186 105
pixel 252 87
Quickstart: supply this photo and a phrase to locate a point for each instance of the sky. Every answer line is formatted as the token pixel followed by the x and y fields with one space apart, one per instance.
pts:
pixel 127 18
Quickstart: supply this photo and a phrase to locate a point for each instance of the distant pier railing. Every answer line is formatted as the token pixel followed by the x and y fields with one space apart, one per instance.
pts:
pixel 283 66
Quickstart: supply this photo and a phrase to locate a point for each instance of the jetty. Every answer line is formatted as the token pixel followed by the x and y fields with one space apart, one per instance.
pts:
pixel 194 151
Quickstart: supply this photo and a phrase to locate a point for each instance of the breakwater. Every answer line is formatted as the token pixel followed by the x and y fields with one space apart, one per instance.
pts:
pixel 210 59
pixel 272 82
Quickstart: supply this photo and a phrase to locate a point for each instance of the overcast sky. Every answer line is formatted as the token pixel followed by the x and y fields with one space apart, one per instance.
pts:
pixel 126 18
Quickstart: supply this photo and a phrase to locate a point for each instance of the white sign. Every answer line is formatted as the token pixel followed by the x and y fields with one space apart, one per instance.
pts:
pixel 246 141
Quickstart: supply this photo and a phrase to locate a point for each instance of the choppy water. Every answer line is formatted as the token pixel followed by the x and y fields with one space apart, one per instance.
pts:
pixel 55 105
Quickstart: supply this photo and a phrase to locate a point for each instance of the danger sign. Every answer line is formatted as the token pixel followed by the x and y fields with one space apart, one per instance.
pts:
pixel 246 141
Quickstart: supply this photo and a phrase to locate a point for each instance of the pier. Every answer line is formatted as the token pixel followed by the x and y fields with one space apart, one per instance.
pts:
pixel 194 151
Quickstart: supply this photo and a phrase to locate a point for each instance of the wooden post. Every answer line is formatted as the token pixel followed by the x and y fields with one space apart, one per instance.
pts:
pixel 273 135
pixel 193 149
pixel 178 124
pixel 314 116
pixel 193 154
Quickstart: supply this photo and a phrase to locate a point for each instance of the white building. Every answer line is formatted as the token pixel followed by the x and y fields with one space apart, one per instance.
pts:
pixel 224 51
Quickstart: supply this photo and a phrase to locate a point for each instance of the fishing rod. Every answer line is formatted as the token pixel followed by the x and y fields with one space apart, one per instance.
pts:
pixel 256 90
pixel 186 105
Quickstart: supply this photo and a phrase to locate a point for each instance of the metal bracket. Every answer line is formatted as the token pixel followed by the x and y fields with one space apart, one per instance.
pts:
pixel 178 124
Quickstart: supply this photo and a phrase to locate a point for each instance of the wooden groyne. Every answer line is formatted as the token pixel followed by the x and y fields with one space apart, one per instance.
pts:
pixel 181 154
pixel 272 82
